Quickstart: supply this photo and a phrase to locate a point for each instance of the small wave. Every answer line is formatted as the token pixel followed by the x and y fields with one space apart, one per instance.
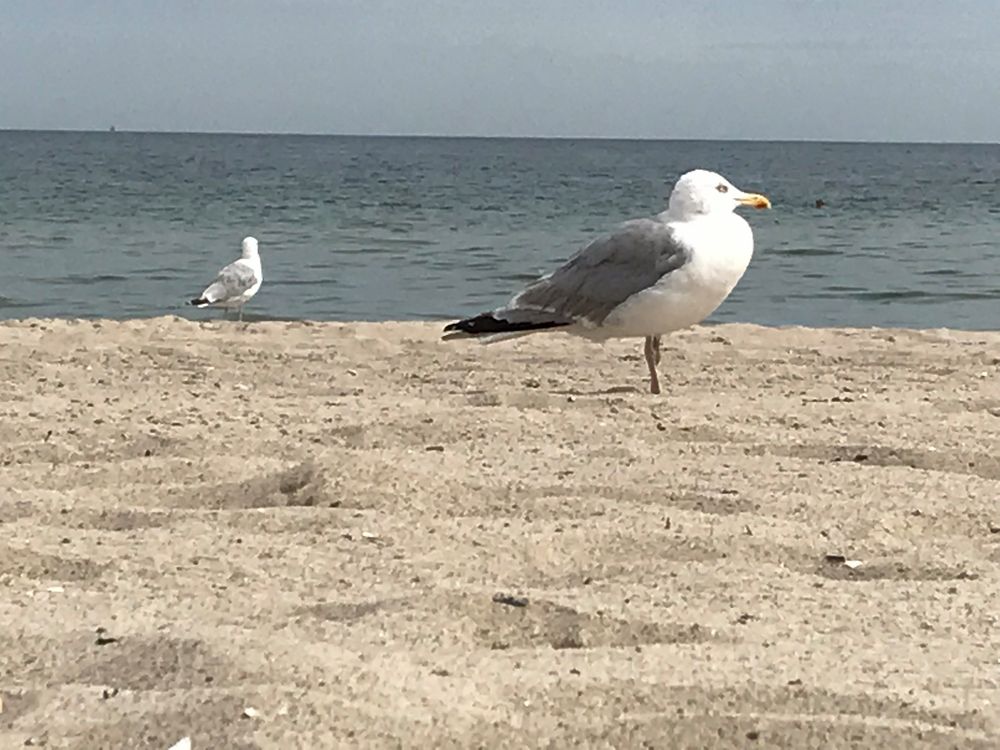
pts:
pixel 335 299
pixel 7 303
pixel 804 252
pixel 944 272
pixel 392 243
pixel 299 283
pixel 914 295
pixel 523 277
pixel 77 278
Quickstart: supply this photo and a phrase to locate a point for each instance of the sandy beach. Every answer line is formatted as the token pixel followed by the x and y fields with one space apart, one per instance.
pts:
pixel 355 535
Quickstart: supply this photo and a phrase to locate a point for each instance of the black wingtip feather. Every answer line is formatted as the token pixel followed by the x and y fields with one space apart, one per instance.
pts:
pixel 199 301
pixel 486 323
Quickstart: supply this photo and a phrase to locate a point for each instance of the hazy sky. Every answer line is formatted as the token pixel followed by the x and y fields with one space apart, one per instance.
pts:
pixel 814 69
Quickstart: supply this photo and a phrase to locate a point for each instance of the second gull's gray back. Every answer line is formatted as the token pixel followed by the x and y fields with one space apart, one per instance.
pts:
pixel 232 281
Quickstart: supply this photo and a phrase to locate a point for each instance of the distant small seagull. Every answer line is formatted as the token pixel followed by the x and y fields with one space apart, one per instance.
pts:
pixel 649 277
pixel 236 283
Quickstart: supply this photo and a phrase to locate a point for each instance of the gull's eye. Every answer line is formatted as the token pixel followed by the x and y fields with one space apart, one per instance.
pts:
pixel 723 188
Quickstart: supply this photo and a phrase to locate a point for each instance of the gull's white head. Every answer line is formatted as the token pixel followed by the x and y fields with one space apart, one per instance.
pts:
pixel 249 247
pixel 702 192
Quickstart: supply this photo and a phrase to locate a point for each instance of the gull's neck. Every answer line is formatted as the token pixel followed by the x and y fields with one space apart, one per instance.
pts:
pixel 674 215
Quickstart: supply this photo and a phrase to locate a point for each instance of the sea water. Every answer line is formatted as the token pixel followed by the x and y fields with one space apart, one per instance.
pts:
pixel 124 225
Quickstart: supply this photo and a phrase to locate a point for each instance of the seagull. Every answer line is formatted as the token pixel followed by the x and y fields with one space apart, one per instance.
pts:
pixel 236 283
pixel 647 278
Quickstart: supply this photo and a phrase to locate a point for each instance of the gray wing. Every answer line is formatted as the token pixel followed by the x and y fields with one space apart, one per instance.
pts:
pixel 231 282
pixel 606 273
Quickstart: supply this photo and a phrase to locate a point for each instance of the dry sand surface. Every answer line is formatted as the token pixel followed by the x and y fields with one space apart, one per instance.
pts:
pixel 375 539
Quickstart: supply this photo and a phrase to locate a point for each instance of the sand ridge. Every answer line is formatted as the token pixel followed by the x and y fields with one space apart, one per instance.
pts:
pixel 377 539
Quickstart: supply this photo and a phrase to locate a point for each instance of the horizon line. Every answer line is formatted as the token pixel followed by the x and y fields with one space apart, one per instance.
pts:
pixel 443 136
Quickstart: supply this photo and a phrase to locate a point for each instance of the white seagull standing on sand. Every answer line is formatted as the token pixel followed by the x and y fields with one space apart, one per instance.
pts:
pixel 236 283
pixel 649 277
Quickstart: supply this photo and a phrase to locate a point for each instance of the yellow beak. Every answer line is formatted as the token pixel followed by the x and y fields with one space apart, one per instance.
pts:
pixel 755 200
